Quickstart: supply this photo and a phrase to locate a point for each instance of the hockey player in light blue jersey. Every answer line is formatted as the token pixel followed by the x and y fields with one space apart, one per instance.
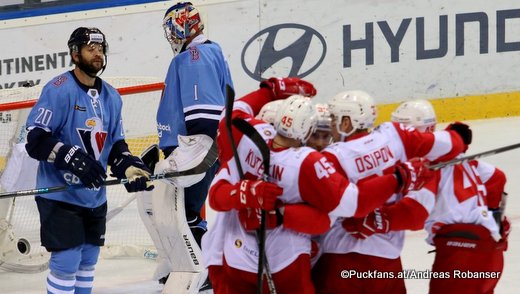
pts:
pixel 75 130
pixel 194 95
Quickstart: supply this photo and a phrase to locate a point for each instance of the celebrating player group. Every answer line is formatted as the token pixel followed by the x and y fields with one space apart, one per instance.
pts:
pixel 334 199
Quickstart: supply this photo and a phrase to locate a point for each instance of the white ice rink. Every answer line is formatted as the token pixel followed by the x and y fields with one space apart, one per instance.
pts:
pixel 134 275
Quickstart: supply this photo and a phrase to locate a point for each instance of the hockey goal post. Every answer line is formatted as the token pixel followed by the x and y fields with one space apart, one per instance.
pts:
pixel 20 248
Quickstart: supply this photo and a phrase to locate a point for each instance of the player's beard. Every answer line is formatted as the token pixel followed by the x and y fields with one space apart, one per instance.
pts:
pixel 90 68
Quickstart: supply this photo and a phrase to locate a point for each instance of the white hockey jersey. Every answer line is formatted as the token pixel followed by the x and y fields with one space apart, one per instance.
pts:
pixel 461 197
pixel 362 158
pixel 305 176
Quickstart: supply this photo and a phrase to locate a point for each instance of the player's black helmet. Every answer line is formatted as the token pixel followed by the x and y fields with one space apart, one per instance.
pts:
pixel 84 36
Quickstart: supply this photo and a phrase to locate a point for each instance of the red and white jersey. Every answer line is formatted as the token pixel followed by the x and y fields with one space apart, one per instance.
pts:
pixel 240 247
pixel 362 158
pixel 305 176
pixel 461 197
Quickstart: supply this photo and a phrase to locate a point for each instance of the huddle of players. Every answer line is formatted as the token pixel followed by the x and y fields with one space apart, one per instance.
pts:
pixel 345 206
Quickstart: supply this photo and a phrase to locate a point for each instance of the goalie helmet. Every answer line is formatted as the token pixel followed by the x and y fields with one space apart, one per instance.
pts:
pixel 296 118
pixel 324 120
pixel 268 111
pixel 86 36
pixel 357 105
pixel 416 113
pixel 180 22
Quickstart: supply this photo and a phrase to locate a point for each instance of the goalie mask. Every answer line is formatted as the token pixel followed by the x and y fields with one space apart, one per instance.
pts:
pixel 358 106
pixel 296 118
pixel 87 36
pixel 180 22
pixel 416 113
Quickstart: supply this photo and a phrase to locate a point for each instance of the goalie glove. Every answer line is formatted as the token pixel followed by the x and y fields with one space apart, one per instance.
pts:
pixel 375 222
pixel 412 175
pixel 134 170
pixel 87 169
pixel 256 194
pixel 284 87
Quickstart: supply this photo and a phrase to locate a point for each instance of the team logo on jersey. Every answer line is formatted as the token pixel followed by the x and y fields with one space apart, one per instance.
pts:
pixel 93 93
pixel 80 108
pixel 194 54
pixel 93 137
pixel 238 243
pixel 59 81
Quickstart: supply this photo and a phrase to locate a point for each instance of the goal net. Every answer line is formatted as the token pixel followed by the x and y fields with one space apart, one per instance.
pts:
pixel 20 248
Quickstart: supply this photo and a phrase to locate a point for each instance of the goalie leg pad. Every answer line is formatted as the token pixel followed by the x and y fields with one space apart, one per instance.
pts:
pixel 176 238
pixel 145 208
pixel 162 212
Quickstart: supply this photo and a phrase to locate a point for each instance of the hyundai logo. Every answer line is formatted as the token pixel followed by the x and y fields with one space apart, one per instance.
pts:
pixel 288 49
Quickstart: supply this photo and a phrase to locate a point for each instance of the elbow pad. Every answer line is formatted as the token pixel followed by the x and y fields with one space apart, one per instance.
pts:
pixel 40 145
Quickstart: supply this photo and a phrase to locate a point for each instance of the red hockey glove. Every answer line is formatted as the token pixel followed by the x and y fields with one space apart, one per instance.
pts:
pixel 257 194
pixel 464 132
pixel 250 219
pixel 375 222
pixel 413 174
pixel 505 228
pixel 285 87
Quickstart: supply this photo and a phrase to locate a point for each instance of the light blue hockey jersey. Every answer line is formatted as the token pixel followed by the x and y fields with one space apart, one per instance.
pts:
pixel 194 93
pixel 78 116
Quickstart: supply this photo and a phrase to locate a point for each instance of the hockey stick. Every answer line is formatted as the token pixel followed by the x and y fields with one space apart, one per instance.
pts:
pixel 474 156
pixel 150 157
pixel 260 143
pixel 207 162
pixel 262 261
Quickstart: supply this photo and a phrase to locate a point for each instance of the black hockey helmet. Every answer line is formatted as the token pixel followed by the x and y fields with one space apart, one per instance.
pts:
pixel 85 36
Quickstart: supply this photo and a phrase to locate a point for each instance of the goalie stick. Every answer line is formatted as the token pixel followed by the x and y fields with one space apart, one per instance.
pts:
pixel 208 161
pixel 474 156
pixel 251 132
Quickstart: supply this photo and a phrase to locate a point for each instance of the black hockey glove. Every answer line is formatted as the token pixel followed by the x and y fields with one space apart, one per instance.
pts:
pixel 87 169
pixel 133 169
pixel 464 132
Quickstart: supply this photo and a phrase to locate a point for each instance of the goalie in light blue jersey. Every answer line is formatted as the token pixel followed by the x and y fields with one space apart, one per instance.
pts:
pixel 75 130
pixel 194 95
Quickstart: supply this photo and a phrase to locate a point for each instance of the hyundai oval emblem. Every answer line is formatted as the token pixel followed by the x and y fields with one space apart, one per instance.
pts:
pixel 288 49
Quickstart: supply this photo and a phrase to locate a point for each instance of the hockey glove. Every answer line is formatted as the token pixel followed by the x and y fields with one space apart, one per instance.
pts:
pixel 464 132
pixel 250 218
pixel 133 169
pixel 412 175
pixel 257 194
pixel 87 169
pixel 285 87
pixel 505 228
pixel 375 222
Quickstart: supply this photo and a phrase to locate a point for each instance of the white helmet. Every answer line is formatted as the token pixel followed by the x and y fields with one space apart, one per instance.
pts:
pixel 296 118
pixel 268 111
pixel 416 113
pixel 357 105
pixel 324 119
